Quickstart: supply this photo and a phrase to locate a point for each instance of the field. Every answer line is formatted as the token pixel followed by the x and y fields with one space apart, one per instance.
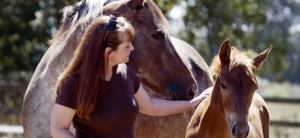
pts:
pixel 281 111
pixel 287 112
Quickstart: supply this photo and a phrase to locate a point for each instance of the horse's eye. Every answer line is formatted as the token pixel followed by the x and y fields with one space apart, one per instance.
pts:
pixel 223 86
pixel 159 35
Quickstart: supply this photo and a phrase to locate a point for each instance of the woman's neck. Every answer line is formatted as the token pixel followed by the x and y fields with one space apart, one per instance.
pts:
pixel 109 72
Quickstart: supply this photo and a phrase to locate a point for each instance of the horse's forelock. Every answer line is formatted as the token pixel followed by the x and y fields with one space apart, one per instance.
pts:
pixel 237 58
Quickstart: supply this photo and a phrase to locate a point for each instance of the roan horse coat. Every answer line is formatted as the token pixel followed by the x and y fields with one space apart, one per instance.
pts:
pixel 154 47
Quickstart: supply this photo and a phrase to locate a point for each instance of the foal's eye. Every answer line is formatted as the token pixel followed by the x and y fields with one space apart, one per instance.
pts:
pixel 223 86
pixel 158 35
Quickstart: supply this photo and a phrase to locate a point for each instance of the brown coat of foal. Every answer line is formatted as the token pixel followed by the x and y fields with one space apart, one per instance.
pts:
pixel 233 109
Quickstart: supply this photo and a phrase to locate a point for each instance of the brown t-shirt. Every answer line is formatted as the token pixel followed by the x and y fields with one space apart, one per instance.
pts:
pixel 115 112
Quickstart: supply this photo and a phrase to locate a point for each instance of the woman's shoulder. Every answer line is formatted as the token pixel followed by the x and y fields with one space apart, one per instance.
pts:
pixel 67 93
pixel 71 80
pixel 69 83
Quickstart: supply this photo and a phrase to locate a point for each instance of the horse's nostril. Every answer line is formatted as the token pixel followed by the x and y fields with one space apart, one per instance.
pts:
pixel 234 130
pixel 172 96
pixel 191 93
pixel 247 132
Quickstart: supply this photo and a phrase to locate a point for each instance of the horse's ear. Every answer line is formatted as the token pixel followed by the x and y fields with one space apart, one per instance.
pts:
pixel 135 4
pixel 224 52
pixel 260 58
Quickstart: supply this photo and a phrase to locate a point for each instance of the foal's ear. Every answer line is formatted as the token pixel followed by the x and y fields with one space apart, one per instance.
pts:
pixel 136 4
pixel 260 58
pixel 224 52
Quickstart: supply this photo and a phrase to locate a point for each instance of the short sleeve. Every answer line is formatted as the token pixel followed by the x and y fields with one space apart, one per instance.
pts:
pixel 137 83
pixel 66 95
pixel 135 78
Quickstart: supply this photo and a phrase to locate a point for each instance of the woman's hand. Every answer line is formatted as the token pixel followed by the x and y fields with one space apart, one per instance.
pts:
pixel 197 100
pixel 160 107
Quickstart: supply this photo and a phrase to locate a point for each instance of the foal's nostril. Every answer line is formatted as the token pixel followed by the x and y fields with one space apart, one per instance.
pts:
pixel 234 130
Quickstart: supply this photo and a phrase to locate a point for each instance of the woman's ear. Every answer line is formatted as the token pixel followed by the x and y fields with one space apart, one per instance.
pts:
pixel 107 51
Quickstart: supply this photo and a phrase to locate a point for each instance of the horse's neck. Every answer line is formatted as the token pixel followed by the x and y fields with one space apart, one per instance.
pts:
pixel 59 54
pixel 66 45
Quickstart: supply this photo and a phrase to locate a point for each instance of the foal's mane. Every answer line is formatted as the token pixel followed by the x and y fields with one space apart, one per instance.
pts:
pixel 88 10
pixel 237 58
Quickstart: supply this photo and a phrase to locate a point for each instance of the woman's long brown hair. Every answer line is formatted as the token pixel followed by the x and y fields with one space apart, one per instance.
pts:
pixel 89 62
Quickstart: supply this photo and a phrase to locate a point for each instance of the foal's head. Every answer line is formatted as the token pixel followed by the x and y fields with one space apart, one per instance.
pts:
pixel 236 84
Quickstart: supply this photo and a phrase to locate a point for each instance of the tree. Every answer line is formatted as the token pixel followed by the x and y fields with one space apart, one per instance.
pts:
pixel 247 24
pixel 25 27
pixel 250 25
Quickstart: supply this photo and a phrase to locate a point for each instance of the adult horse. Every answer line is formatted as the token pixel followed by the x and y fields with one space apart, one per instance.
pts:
pixel 155 59
pixel 233 109
pixel 174 126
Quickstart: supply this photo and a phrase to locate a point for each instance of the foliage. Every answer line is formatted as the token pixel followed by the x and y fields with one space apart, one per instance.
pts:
pixel 25 27
pixel 249 25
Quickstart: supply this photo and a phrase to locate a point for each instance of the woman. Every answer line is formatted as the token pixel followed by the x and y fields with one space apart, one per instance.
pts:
pixel 99 93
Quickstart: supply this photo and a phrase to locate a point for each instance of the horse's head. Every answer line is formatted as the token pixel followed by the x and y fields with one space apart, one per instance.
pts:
pixel 154 58
pixel 236 84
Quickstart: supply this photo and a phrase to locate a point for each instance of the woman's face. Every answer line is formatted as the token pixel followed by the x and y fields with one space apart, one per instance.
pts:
pixel 121 54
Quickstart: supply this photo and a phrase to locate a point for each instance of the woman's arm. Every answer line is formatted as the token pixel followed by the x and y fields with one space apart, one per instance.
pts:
pixel 61 119
pixel 160 107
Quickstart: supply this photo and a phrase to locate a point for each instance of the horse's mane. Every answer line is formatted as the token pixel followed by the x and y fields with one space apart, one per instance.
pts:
pixel 237 58
pixel 89 9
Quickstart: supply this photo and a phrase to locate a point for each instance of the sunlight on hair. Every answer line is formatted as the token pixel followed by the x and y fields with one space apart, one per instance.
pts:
pixel 236 58
pixel 240 58
pixel 95 7
pixel 66 10
pixel 122 24
pixel 165 30
pixel 125 27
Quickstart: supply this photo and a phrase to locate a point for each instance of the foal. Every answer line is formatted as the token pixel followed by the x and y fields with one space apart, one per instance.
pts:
pixel 233 109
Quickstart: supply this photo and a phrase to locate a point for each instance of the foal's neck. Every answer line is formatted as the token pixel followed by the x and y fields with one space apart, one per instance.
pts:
pixel 216 98
pixel 215 118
